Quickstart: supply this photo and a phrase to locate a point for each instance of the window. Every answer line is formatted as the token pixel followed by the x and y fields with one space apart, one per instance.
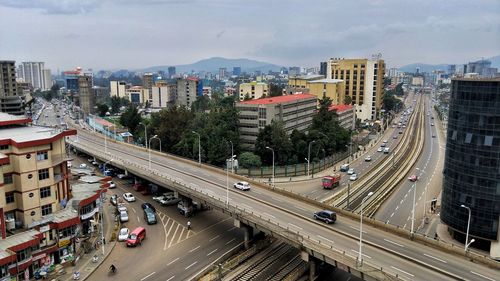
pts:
pixel 4 147
pixel 43 174
pixel 468 138
pixel 45 192
pixel 43 155
pixel 7 178
pixel 28 156
pixel 46 209
pixel 23 254
pixel 9 197
pixel 488 140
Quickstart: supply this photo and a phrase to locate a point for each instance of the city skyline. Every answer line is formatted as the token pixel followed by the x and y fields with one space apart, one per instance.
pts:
pixel 131 34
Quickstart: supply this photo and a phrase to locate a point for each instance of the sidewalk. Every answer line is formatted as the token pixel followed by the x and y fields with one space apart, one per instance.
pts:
pixel 85 265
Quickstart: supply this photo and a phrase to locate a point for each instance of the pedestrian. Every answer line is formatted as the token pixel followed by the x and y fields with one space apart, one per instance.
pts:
pixel 189 225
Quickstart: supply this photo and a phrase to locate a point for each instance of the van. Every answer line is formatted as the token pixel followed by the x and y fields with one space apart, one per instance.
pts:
pixel 149 216
pixel 344 167
pixel 135 238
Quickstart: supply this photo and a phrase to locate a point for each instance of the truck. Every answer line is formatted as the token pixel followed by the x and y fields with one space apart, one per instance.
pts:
pixel 330 182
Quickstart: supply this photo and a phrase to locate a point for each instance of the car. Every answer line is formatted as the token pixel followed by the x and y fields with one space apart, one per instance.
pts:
pixel 83 166
pixel 148 206
pixel 386 150
pixel 95 163
pixel 91 160
pixel 150 216
pixel 351 171
pixel 400 132
pixel 380 149
pixel 242 185
pixel 326 216
pixel 163 196
pixel 121 176
pixel 170 200
pixel 432 124
pixel 123 234
pixel 123 216
pixel 433 135
pixel 368 158
pixel 413 178
pixel 385 141
pixel 113 199
pixel 383 144
pixel 344 167
pixel 353 177
pixel 121 207
pixel 111 184
pixel 129 197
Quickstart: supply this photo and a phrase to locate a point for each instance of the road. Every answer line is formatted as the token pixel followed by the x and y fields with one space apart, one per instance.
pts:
pixel 296 215
pixel 398 208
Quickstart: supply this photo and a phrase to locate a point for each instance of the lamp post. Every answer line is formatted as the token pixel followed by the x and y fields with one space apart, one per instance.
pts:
pixel 149 149
pixel 360 255
pixel 227 180
pixel 309 156
pixel 199 146
pixel 273 163
pixel 105 140
pixel 104 166
pixel 425 195
pixel 468 225
pixel 145 134
pixel 413 209
pixel 232 157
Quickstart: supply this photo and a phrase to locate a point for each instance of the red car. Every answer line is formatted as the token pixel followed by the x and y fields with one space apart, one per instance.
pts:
pixel 413 178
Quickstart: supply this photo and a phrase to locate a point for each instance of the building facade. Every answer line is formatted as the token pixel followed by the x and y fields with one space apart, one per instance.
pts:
pixel 118 89
pixel 147 81
pixel 345 114
pixel 86 94
pixel 36 74
pixel 163 95
pixel 11 101
pixel 253 90
pixel 137 95
pixel 472 163
pixel 364 83
pixel 187 91
pixel 295 111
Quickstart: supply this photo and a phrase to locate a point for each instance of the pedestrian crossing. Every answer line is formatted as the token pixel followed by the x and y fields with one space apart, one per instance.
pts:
pixel 174 231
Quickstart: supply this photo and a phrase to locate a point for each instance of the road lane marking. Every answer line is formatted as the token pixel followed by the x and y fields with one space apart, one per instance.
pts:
pixel 180 236
pixel 432 257
pixel 134 210
pixel 361 253
pixel 230 241
pixel 356 228
pixel 173 236
pixel 392 242
pixel 138 219
pixel 191 265
pixel 176 259
pixel 277 199
pixel 245 205
pixel 392 215
pixel 192 250
pixel 291 224
pixel 234 227
pixel 168 233
pixel 269 215
pixel 485 277
pixel 402 271
pixel 149 275
pixel 326 239
pixel 212 252
pixel 212 239
pixel 300 208
pixel 171 278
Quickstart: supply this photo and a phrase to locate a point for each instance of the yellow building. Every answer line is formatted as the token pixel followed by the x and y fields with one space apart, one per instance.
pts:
pixel 253 90
pixel 34 169
pixel 364 83
pixel 317 85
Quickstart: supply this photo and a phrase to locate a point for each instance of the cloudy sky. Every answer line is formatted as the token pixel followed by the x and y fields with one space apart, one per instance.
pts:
pixel 112 34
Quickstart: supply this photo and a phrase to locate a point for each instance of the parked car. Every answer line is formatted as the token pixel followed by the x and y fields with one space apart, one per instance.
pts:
pixel 113 199
pixel 383 144
pixel 123 234
pixel 368 158
pixel 353 177
pixel 170 200
pixel 121 207
pixel 413 178
pixel 433 135
pixel 350 171
pixel 121 176
pixel 123 216
pixel 129 197
pixel 326 216
pixel 242 185
pixel 432 124
pixel 83 166
pixel 148 206
pixel 111 184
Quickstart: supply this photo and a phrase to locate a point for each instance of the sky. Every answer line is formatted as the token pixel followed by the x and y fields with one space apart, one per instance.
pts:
pixel 133 34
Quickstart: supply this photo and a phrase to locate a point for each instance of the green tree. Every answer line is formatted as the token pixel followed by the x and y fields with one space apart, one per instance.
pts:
pixel 247 97
pixel 171 126
pixel 201 103
pixel 102 109
pixel 131 119
pixel 275 90
pixel 275 137
pixel 249 160
pixel 348 100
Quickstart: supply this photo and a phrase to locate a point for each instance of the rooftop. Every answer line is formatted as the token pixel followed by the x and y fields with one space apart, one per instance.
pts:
pixel 18 239
pixel 307 77
pixel 9 119
pixel 340 107
pixel 279 99
pixel 28 134
pixel 326 80
pixel 494 79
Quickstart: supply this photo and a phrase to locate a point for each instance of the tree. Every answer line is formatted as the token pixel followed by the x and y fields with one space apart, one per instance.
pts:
pixel 348 100
pixel 275 137
pixel 171 125
pixel 131 119
pixel 102 109
pixel 275 90
pixel 201 103
pixel 249 160
pixel 247 97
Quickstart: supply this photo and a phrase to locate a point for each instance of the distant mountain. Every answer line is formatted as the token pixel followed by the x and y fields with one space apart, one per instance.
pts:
pixel 423 67
pixel 213 65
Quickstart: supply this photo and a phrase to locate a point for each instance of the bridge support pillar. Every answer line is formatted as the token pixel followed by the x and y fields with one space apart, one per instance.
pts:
pixel 312 264
pixel 247 232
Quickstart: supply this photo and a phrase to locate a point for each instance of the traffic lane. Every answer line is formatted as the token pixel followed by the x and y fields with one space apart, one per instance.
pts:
pixel 292 218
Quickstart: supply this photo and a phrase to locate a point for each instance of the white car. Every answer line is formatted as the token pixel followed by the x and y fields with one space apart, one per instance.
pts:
pixel 350 171
pixel 123 234
pixel 368 158
pixel 83 166
pixel 385 141
pixel 242 185
pixel 121 208
pixel 111 184
pixel 121 176
pixel 353 177
pixel 129 197
pixel 123 217
pixel 169 200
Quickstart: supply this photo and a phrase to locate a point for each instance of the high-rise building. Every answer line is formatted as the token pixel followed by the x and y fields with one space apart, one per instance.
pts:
pixel 452 68
pixel 222 73
pixel 295 111
pixel 163 95
pixel 10 100
pixel 137 95
pixel 147 80
pixel 253 90
pixel 188 90
pixel 471 169
pixel 118 89
pixel 364 83
pixel 323 68
pixel 480 67
pixel 293 71
pixel 36 74
pixel 86 94
pixel 237 70
pixel 101 94
pixel 171 72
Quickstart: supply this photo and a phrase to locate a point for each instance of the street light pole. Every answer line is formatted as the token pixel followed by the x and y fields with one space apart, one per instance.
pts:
pixel 309 156
pixel 273 162
pixel 425 195
pixel 468 225
pixel 360 255
pixel 199 147
pixel 105 141
pixel 232 157
pixel 104 166
pixel 413 208
pixel 149 149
